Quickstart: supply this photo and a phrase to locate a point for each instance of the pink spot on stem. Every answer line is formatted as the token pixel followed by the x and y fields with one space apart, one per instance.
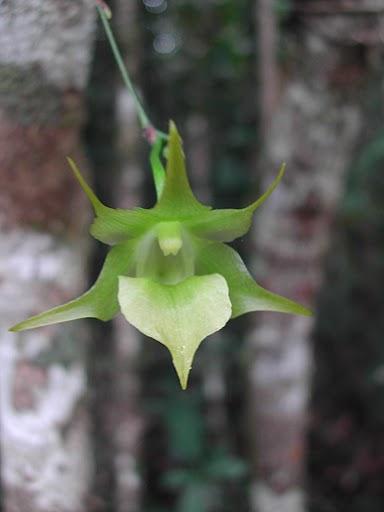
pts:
pixel 150 134
pixel 105 8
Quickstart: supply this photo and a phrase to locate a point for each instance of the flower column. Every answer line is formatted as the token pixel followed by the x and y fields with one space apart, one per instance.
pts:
pixel 44 56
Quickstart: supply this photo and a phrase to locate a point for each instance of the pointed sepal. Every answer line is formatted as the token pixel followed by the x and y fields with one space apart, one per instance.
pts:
pixel 100 301
pixel 179 316
pixel 245 294
pixel 112 226
pixel 228 224
pixel 97 205
pixel 177 199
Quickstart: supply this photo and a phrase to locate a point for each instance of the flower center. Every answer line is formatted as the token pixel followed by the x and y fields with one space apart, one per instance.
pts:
pixel 166 254
pixel 169 237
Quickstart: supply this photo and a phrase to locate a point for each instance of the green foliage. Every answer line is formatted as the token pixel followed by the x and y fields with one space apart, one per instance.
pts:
pixel 198 486
pixel 201 470
pixel 347 438
pixel 283 8
pixel 359 272
pixel 366 185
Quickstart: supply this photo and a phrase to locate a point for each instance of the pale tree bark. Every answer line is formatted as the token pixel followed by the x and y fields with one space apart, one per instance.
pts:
pixel 127 424
pixel 44 56
pixel 265 22
pixel 314 129
pixel 113 140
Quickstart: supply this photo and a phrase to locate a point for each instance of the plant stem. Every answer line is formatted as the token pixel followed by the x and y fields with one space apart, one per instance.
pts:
pixel 152 135
pixel 143 118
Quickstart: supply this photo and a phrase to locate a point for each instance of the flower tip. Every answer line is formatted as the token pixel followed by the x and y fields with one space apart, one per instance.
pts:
pixel 183 374
pixel 301 310
pixel 173 131
pixel 21 326
pixel 96 203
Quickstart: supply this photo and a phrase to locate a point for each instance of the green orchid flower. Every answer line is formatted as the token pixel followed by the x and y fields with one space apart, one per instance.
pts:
pixel 169 271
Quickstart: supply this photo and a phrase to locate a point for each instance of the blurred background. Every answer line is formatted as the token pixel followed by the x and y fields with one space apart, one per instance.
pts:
pixel 282 413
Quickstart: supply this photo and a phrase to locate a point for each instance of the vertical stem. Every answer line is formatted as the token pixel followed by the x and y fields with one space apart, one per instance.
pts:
pixel 143 118
pixel 152 135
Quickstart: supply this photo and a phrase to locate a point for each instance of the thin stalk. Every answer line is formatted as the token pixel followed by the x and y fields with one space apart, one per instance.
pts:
pixel 141 114
pixel 155 137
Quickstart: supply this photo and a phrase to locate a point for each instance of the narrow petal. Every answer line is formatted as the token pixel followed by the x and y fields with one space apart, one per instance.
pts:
pixel 228 224
pixel 113 226
pixel 100 301
pixel 245 294
pixel 157 166
pixel 177 199
pixel 179 316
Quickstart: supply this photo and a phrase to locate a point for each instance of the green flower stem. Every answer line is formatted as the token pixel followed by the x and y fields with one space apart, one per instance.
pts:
pixel 153 136
pixel 143 118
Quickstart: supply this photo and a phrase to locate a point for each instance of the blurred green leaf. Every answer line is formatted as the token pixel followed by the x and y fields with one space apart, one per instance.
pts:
pixel 194 498
pixel 224 466
pixel 185 426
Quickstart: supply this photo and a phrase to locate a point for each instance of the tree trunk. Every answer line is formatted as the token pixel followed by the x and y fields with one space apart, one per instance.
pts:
pixel 265 21
pixel 315 129
pixel 44 56
pixel 127 428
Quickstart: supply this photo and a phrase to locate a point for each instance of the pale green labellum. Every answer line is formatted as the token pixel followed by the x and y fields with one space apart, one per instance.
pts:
pixel 169 271
pixel 180 316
